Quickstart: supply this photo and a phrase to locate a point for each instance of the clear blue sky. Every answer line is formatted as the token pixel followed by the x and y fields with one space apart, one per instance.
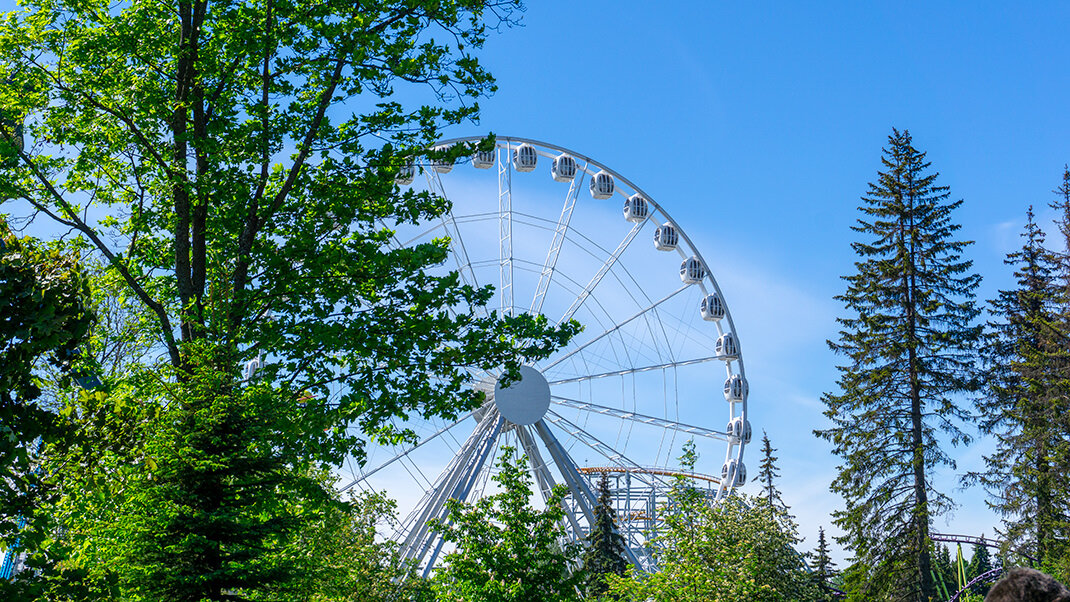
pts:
pixel 758 125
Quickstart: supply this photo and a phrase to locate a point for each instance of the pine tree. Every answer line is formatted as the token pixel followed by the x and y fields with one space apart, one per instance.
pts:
pixel 980 563
pixel 824 569
pixel 605 553
pixel 910 345
pixel 1024 402
pixel 768 473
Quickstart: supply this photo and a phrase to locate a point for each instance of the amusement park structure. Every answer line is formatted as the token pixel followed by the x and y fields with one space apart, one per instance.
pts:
pixel 621 397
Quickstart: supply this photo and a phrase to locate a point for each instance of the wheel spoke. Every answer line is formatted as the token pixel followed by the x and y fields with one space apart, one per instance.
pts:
pixel 420 444
pixel 602 271
pixel 453 233
pixel 615 328
pixel 505 229
pixel 640 418
pixel 664 366
pixel 555 245
pixel 597 445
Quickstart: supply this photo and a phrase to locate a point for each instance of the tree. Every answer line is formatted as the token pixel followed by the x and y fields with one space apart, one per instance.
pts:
pixel 910 344
pixel 507 550
pixel 45 316
pixel 605 553
pixel 232 164
pixel 980 563
pixel 1025 402
pixel 824 569
pixel 767 474
pixel 731 552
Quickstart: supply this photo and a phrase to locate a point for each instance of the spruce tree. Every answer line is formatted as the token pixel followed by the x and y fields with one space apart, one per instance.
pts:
pixel 767 473
pixel 605 553
pixel 980 563
pixel 824 569
pixel 910 344
pixel 1024 402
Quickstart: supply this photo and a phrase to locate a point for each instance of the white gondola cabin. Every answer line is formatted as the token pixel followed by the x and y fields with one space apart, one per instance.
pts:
pixel 712 308
pixel 636 208
pixel 483 159
pixel 734 474
pixel 442 165
pixel 564 168
pixel 727 347
pixel 525 158
pixel 406 174
pixel 738 430
pixel 665 237
pixel 602 185
pixel 692 271
pixel 736 388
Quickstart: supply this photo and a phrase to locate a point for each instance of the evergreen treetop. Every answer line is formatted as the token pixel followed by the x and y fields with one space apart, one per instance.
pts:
pixel 910 343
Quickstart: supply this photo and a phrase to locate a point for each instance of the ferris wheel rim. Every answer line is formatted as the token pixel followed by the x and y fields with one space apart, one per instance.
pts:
pixel 617 175
pixel 590 168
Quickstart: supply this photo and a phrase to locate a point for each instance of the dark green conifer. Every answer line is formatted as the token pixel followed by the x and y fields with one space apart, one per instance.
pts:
pixel 768 473
pixel 910 343
pixel 824 569
pixel 980 563
pixel 1024 403
pixel 605 553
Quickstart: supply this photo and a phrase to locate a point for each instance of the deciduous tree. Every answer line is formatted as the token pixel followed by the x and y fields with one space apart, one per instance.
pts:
pixel 506 549
pixel 232 163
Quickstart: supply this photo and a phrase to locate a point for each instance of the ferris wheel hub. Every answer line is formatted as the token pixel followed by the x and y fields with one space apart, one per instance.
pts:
pixel 523 401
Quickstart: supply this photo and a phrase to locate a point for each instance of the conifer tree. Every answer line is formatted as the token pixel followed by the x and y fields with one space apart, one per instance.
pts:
pixel 824 569
pixel 768 473
pixel 605 553
pixel 910 343
pixel 980 563
pixel 1024 403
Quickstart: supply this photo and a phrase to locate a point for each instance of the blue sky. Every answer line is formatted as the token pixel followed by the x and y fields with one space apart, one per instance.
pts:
pixel 759 125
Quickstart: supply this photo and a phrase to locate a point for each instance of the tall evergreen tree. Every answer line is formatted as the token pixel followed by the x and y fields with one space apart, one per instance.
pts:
pixel 605 553
pixel 824 569
pixel 910 344
pixel 768 472
pixel 1025 402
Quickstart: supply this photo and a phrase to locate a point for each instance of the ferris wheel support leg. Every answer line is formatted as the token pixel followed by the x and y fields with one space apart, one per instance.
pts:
pixel 447 485
pixel 581 492
pixel 463 489
pixel 543 477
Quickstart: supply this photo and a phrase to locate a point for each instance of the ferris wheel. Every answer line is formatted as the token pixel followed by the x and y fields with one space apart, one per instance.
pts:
pixel 622 397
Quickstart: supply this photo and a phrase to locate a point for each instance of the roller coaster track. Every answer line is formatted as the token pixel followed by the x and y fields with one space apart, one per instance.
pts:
pixel 984 541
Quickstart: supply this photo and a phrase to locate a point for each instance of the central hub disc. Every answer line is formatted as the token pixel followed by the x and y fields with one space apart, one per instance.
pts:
pixel 524 401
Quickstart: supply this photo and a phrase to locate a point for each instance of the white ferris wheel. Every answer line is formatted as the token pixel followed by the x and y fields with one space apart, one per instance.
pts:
pixel 622 397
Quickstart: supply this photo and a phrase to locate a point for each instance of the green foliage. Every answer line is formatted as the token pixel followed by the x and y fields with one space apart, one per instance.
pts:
pixel 506 549
pixel 980 563
pixel 767 475
pixel 910 344
pixel 605 553
pixel 730 553
pixel 1025 403
pixel 343 561
pixel 44 317
pixel 821 564
pixel 241 157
